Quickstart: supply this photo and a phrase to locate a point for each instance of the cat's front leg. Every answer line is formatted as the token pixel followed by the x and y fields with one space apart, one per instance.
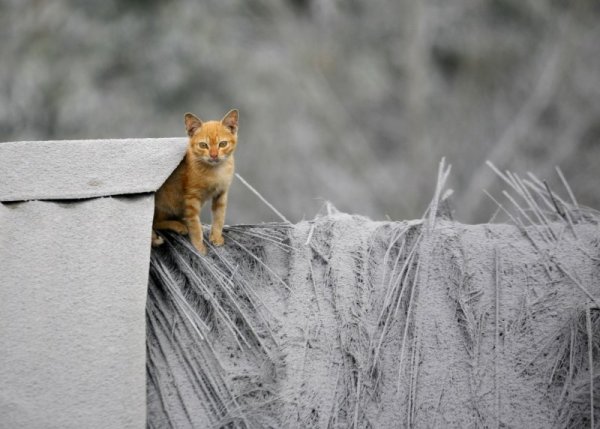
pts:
pixel 191 216
pixel 219 206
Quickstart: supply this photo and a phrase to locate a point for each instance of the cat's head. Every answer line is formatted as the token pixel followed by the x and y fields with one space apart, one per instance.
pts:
pixel 212 142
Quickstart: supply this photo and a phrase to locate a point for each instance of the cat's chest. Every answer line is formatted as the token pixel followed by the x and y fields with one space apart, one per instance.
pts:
pixel 213 187
pixel 209 184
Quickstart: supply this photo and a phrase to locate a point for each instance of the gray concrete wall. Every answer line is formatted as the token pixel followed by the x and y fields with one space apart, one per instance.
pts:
pixel 73 323
pixel 73 279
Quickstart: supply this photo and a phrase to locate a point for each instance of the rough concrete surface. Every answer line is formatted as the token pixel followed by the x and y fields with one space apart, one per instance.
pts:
pixel 75 169
pixel 72 333
pixel 73 279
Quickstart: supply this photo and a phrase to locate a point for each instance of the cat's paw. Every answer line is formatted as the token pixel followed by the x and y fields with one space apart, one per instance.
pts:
pixel 217 240
pixel 180 228
pixel 200 247
pixel 156 239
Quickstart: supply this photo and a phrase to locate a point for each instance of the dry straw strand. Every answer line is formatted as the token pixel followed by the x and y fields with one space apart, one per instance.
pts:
pixel 263 199
pixel 588 323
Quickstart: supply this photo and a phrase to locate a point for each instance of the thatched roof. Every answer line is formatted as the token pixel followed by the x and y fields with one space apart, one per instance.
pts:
pixel 346 322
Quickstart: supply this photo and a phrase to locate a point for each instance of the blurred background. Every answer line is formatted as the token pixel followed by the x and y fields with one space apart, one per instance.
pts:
pixel 351 101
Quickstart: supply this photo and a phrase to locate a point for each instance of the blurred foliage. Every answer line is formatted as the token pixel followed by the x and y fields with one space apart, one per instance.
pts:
pixel 349 101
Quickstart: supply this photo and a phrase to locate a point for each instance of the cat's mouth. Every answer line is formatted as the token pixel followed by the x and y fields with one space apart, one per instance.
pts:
pixel 213 161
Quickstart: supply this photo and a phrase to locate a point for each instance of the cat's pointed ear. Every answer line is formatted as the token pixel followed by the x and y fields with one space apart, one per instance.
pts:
pixel 192 123
pixel 230 120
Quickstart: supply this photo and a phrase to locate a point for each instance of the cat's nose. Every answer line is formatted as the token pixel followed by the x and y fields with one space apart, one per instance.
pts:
pixel 214 156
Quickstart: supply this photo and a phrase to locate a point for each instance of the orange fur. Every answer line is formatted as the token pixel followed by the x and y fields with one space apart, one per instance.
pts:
pixel 204 174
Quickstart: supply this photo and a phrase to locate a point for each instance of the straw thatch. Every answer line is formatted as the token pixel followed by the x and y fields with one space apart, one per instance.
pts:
pixel 345 322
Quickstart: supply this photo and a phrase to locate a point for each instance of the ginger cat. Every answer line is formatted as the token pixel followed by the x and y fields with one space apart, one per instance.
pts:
pixel 204 174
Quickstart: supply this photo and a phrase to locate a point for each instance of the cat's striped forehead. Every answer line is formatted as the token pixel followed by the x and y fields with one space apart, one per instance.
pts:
pixel 213 131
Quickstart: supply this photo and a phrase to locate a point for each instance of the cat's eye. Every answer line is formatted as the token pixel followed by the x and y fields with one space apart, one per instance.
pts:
pixel 223 143
pixel 203 145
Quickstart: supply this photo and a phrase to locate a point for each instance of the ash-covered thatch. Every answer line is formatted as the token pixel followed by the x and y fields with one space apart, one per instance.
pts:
pixel 346 322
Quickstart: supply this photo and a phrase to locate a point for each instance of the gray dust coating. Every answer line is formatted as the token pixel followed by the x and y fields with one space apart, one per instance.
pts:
pixel 346 322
